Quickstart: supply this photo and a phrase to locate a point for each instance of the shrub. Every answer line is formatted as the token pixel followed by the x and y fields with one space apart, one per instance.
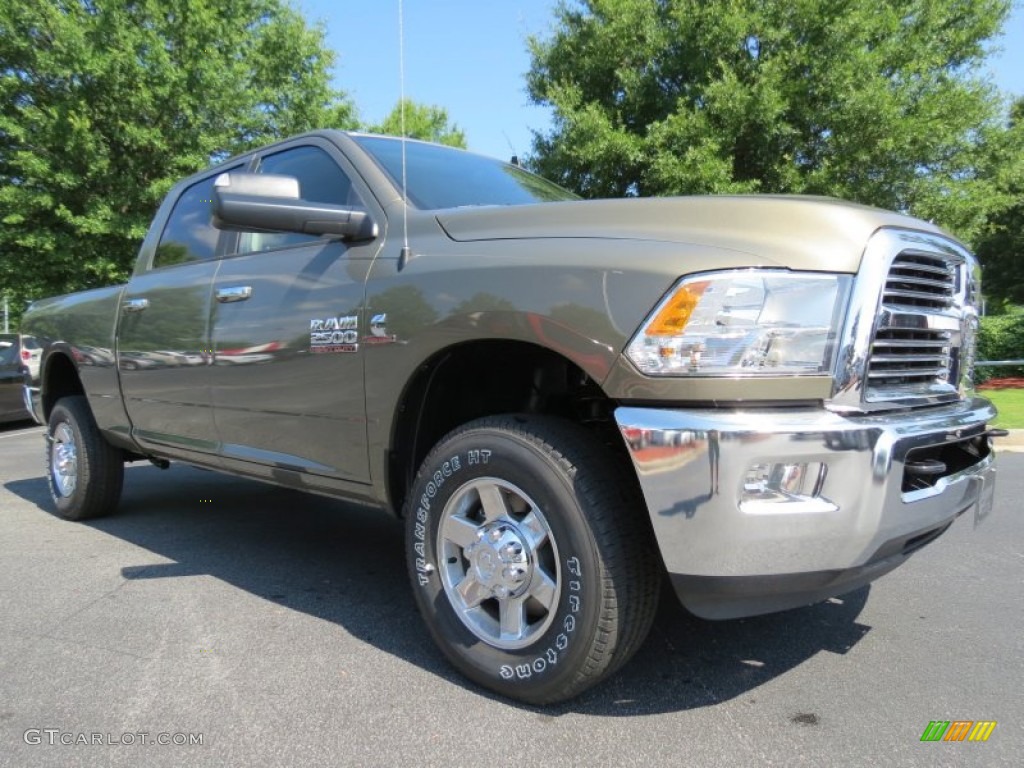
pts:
pixel 1001 338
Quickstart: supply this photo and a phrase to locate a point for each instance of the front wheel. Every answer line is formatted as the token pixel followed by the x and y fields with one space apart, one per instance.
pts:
pixel 531 556
pixel 84 471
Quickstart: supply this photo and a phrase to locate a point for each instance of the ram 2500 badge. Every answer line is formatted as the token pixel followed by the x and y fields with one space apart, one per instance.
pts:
pixel 768 398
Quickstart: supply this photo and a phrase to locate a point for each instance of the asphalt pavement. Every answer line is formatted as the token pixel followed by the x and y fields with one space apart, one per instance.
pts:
pixel 278 629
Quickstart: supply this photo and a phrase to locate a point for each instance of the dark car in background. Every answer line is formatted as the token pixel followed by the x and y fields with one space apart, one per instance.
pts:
pixel 29 351
pixel 14 375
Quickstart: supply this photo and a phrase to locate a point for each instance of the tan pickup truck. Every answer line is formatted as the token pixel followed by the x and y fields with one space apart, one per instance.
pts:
pixel 767 398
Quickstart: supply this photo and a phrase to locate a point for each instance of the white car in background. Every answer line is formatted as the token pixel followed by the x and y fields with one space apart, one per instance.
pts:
pixel 29 351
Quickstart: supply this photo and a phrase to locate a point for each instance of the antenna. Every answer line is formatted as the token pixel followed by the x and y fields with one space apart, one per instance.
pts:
pixel 406 254
pixel 512 150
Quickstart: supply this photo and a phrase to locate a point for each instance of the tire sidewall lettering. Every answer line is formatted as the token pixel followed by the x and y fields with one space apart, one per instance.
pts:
pixel 547 656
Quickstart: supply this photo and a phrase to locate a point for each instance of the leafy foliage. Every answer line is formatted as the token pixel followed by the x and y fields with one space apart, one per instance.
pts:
pixel 1001 246
pixel 105 104
pixel 878 101
pixel 407 310
pixel 422 121
pixel 1001 337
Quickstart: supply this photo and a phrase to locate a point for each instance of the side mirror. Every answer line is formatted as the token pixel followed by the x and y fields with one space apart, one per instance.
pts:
pixel 256 202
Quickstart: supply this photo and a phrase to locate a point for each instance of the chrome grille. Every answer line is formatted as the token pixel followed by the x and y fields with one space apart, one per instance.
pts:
pixel 915 350
pixel 909 335
pixel 920 280
pixel 902 356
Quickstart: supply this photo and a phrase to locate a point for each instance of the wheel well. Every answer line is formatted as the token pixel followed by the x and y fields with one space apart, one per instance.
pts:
pixel 486 378
pixel 60 380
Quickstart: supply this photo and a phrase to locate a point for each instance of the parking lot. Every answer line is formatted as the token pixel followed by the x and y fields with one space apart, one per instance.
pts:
pixel 278 629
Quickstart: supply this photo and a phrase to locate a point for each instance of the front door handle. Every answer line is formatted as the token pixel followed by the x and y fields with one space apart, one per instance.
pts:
pixel 134 305
pixel 235 293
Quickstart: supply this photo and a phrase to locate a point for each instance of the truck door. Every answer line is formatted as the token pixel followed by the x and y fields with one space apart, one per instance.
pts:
pixel 287 379
pixel 163 335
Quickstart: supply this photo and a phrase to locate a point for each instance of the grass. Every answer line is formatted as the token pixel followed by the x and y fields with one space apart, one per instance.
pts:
pixel 1010 403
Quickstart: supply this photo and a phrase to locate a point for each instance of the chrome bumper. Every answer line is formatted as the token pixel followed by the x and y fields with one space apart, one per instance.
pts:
pixel 733 553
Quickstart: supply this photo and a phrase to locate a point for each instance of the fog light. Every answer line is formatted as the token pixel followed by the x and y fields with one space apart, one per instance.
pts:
pixel 767 485
pixel 794 479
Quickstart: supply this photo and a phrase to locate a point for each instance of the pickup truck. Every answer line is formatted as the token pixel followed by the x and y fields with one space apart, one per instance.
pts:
pixel 766 398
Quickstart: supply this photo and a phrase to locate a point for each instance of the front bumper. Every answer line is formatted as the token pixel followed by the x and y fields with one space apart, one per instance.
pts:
pixel 730 555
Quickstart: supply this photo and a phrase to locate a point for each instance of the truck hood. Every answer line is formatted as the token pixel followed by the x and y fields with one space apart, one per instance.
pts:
pixel 796 232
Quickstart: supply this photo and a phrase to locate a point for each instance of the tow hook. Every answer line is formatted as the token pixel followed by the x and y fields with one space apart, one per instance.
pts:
pixel 927 467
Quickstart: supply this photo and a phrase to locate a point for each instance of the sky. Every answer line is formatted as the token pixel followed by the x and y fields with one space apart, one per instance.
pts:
pixel 470 57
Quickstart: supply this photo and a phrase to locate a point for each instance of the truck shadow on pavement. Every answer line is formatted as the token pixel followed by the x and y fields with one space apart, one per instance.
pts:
pixel 345 565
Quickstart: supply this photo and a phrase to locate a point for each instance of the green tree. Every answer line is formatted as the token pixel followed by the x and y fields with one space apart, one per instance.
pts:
pixel 1001 246
pixel 105 104
pixel 878 101
pixel 422 121
pixel 1001 337
pixel 407 310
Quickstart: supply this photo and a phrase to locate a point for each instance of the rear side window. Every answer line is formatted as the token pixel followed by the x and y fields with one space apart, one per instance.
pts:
pixel 189 234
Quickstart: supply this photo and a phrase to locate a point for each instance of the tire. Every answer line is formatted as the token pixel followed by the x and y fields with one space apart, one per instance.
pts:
pixel 531 556
pixel 85 473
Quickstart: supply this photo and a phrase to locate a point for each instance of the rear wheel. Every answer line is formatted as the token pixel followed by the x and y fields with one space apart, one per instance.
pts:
pixel 531 556
pixel 84 471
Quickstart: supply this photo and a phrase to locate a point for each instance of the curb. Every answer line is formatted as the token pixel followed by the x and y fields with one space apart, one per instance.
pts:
pixel 1012 443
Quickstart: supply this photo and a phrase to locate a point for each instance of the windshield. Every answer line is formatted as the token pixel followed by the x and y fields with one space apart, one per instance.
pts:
pixel 442 177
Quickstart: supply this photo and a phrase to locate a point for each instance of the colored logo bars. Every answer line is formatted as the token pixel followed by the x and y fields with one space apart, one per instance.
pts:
pixel 958 730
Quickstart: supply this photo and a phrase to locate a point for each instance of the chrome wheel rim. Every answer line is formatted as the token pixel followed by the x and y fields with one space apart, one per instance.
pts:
pixel 63 460
pixel 498 562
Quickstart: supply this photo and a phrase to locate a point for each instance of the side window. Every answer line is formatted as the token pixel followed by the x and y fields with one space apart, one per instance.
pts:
pixel 320 181
pixel 189 235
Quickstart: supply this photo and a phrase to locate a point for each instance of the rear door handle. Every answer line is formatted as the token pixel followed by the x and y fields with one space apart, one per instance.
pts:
pixel 235 293
pixel 134 305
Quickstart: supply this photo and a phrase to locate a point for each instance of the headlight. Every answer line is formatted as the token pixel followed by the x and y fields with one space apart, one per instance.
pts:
pixel 744 323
